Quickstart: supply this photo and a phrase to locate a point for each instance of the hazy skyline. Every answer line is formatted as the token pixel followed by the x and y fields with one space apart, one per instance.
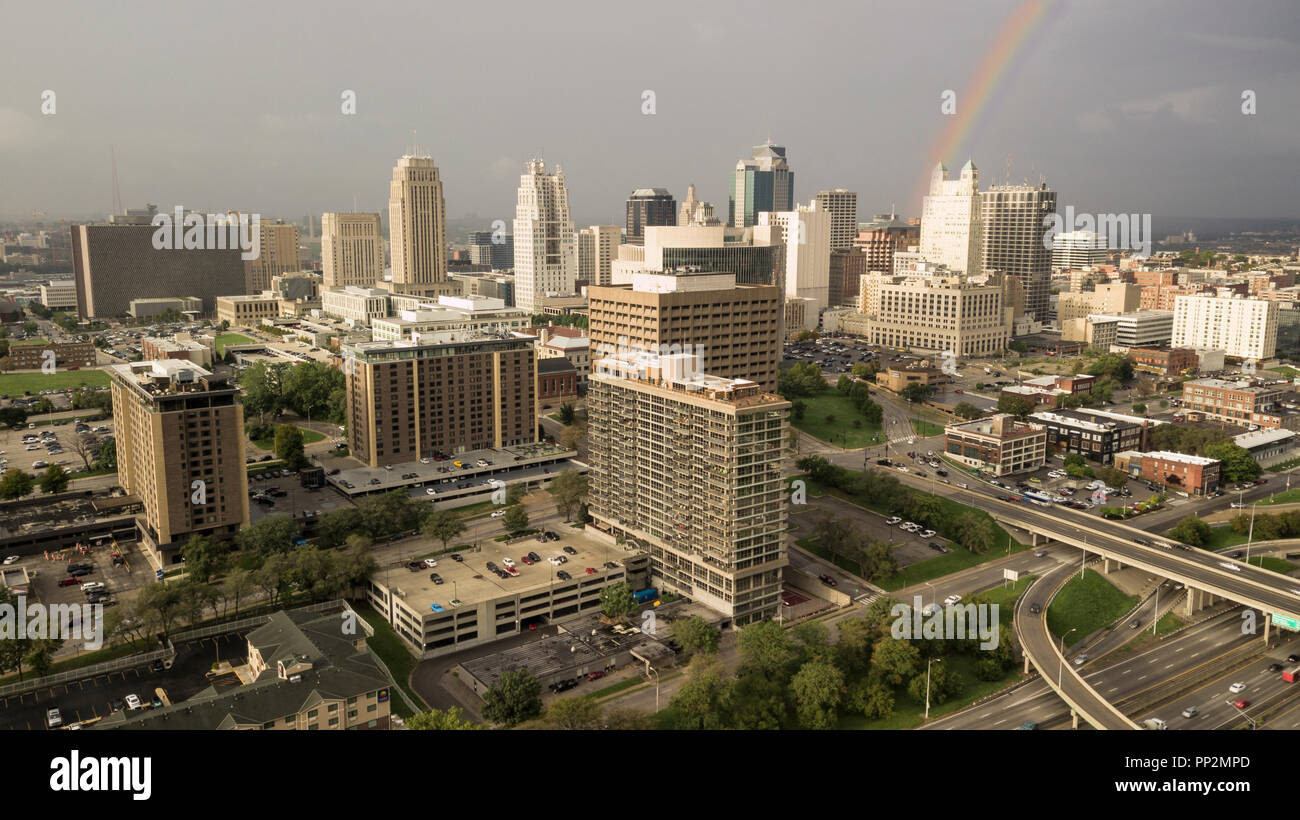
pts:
pixel 1119 108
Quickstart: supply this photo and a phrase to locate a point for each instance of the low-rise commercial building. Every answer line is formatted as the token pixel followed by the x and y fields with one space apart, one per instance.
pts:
pixel 923 373
pixel 1163 361
pixel 1268 447
pixel 1094 436
pixel 999 444
pixel 25 356
pixel 557 380
pixel 246 310
pixel 177 347
pixel 1047 391
pixel 1240 402
pixel 1194 475
pixel 355 305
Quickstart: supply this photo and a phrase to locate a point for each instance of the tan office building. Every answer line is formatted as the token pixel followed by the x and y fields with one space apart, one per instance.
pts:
pixel 247 310
pixel 736 329
pixel 27 356
pixel 417 228
pixel 448 392
pixel 352 250
pixel 180 450
pixel 687 467
pixel 278 254
pixel 935 314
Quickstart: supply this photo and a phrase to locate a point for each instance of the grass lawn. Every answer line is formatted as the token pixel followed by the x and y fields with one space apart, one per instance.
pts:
pixel 39 340
pixel 1284 466
pixel 14 384
pixel 1167 623
pixel 1284 497
pixel 617 687
pixel 1223 536
pixel 840 432
pixel 926 428
pixel 265 465
pixel 910 713
pixel 308 437
pixel 956 559
pixel 394 654
pixel 231 339
pixel 1085 605
pixel 1275 564
pixel 1006 595
pixel 1289 372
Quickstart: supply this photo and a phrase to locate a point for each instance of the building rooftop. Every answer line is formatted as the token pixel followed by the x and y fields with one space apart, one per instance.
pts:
pixel 1260 438
pixel 1182 458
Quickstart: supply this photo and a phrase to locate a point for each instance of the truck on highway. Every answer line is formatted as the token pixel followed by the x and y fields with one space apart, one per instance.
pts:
pixel 1291 675
pixel 1154 723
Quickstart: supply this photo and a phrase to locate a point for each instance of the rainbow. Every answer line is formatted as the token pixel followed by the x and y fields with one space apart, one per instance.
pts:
pixel 972 103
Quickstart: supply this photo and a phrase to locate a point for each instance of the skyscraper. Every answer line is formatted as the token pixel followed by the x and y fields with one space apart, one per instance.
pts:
pixel 951 221
pixel 695 211
pixel 180 450
pixel 806 234
pixel 546 259
pixel 352 250
pixel 762 183
pixel 492 248
pixel 417 227
pixel 1079 249
pixel 597 249
pixel 843 208
pixel 1015 239
pixel 649 206
pixel 278 254
pixel 687 467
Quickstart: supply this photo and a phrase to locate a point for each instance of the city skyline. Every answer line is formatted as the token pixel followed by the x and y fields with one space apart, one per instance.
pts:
pixel 1179 69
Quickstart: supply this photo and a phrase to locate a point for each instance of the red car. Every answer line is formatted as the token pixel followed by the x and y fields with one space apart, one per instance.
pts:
pixel 527 560
pixel 595 675
pixel 591 571
pixel 1241 703
pixel 69 581
pixel 827 580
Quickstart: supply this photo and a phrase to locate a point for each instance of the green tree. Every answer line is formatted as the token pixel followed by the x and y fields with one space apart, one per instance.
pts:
pixel 1235 463
pixel 966 410
pixel 1015 405
pixel 1192 531
pixel 203 556
pixel 515 519
pixel 580 712
pixel 442 525
pixel 695 635
pixel 567 415
pixel 55 480
pixel 616 600
pixel 818 688
pixel 42 407
pixel 766 647
pixel 273 534
pixel 895 661
pixel 801 379
pixel 516 697
pixel 915 392
pixel 15 484
pixel 797 410
pixel 704 701
pixel 973 531
pixel 451 719
pixel 569 488
pixel 289 446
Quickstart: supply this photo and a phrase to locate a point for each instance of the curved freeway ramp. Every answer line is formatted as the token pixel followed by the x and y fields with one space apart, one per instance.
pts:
pixel 1042 651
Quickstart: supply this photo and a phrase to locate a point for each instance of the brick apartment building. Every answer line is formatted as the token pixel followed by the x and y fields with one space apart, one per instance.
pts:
pixel 24 356
pixel 1195 475
pixel 998 443
pixel 1163 361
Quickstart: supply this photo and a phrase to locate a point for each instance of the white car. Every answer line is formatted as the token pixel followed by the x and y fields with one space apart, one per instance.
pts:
pixel 951 599
pixel 510 562
pixel 92 586
pixel 927 533
pixel 555 561
pixel 1237 687
pixel 498 513
pixel 892 521
pixel 1232 567
pixel 430 563
pixel 10 559
pixel 431 491
pixel 133 703
pixel 1237 505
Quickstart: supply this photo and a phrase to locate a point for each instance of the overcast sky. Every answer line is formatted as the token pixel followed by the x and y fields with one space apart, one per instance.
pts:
pixel 1122 106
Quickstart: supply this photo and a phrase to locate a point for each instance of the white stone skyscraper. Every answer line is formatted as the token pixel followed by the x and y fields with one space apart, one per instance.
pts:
pixel 695 211
pixel 417 227
pixel 1017 242
pixel 806 235
pixel 951 221
pixel 546 257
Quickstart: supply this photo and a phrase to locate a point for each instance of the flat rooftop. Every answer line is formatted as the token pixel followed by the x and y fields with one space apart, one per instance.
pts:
pixel 506 464
pixel 472 583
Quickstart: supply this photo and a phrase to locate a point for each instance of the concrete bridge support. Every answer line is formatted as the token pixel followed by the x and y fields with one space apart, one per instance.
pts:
pixel 1074 719
pixel 1109 565
pixel 1198 599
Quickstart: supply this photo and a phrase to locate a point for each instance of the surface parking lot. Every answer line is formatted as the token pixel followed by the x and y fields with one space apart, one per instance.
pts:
pixel 92 697
pixel 297 500
pixel 907 548
pixel 14 453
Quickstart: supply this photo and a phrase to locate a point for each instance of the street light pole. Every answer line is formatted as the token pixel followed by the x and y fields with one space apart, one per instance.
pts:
pixel 1061 670
pixel 927 688
pixel 1251 534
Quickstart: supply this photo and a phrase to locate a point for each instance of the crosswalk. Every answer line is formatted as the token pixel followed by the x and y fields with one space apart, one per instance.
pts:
pixel 866 598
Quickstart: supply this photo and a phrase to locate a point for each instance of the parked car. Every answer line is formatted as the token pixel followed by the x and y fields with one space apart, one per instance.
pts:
pixel 69 581
pixel 591 570
pixel 133 703
pixel 53 719
pixel 597 675
pixel 571 550
pixel 11 559
pixel 563 576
